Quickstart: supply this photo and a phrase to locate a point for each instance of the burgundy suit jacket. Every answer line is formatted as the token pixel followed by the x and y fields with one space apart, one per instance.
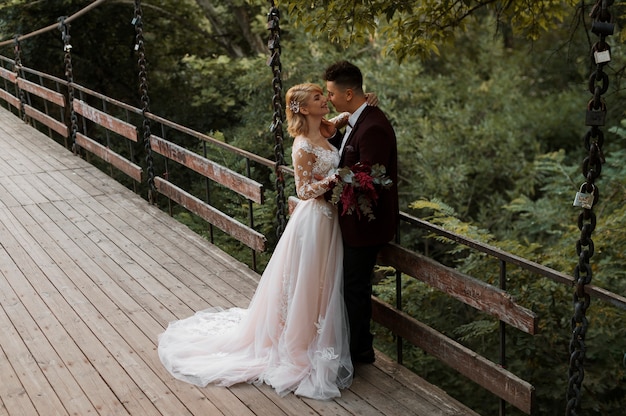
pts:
pixel 372 141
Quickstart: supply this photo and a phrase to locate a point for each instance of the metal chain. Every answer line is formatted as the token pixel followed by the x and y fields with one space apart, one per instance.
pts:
pixel 273 25
pixel 586 198
pixel 16 68
pixel 67 48
pixel 145 100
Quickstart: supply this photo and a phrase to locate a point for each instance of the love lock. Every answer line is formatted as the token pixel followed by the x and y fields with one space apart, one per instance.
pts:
pixel 583 199
pixel 602 57
pixel 595 117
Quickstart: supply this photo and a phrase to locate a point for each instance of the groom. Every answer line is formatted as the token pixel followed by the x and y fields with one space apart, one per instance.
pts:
pixel 370 139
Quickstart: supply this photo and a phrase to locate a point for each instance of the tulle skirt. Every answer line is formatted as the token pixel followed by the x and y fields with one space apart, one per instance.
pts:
pixel 293 335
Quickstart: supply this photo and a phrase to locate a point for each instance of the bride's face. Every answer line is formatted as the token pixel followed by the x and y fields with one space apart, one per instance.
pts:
pixel 316 104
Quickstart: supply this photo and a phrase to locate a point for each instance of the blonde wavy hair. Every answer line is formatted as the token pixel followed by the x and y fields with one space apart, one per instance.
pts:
pixel 295 98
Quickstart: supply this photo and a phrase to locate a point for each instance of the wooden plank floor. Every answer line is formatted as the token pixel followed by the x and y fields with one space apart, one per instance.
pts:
pixel 90 274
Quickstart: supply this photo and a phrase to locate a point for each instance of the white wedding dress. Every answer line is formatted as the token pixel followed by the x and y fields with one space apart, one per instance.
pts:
pixel 294 334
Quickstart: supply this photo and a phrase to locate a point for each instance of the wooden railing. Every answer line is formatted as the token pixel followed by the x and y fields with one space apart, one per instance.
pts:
pixel 108 131
pixel 244 186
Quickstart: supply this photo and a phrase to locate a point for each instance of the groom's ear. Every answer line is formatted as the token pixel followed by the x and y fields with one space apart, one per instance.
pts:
pixel 349 94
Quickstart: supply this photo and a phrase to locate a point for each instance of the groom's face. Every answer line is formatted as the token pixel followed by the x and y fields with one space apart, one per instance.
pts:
pixel 338 96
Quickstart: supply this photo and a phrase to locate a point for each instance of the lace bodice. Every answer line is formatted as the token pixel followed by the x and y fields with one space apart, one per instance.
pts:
pixel 310 162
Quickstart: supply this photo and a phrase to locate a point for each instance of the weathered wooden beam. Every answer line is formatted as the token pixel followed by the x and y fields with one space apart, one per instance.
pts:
pixel 292 202
pixel 239 231
pixel 45 119
pixel 105 120
pixel 41 91
pixel 10 98
pixel 467 289
pixel 616 300
pixel 8 75
pixel 106 154
pixel 487 374
pixel 247 187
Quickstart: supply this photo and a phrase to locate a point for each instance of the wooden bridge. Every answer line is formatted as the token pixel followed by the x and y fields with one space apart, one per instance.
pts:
pixel 90 274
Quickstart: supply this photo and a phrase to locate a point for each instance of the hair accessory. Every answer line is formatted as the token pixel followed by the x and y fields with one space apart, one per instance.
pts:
pixel 294 106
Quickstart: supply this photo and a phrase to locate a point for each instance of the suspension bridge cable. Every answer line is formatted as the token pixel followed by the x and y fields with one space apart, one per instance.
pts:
pixel 55 26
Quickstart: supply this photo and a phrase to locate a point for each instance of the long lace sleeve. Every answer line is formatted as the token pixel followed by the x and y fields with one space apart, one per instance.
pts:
pixel 304 161
pixel 341 120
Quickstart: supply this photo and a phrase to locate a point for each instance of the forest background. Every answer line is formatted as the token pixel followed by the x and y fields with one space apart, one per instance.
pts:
pixel 488 100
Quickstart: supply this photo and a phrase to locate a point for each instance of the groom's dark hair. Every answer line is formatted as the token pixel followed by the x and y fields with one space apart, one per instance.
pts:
pixel 345 74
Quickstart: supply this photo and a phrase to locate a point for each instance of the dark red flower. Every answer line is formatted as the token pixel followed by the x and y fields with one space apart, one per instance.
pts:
pixel 356 190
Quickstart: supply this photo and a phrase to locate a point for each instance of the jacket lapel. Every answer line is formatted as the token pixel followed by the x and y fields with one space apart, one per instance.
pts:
pixel 354 132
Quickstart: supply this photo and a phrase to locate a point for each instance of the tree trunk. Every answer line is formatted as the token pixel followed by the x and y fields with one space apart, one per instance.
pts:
pixel 223 32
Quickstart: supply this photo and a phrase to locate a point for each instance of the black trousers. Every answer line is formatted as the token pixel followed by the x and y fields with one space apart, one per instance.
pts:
pixel 358 266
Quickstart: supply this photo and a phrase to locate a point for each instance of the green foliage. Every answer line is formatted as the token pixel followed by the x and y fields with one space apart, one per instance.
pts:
pixel 489 128
pixel 541 359
pixel 537 232
pixel 477 128
pixel 422 28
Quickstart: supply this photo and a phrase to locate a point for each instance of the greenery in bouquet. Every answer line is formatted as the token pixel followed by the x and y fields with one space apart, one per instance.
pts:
pixel 356 190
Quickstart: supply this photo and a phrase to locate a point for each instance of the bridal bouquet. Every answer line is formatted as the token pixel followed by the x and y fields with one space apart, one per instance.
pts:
pixel 357 188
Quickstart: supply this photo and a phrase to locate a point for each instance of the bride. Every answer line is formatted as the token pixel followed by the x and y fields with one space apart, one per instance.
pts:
pixel 294 334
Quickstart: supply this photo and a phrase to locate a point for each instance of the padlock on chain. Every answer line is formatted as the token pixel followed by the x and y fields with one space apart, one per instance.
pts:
pixel 583 199
pixel 595 117
pixel 602 57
